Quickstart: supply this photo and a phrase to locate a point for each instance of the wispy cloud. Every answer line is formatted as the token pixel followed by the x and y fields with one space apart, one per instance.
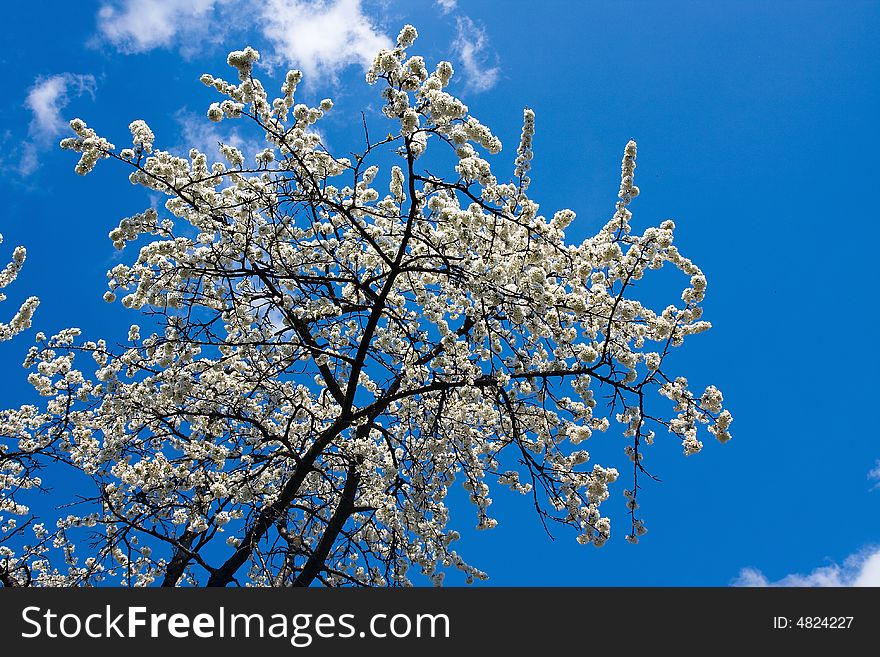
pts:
pixel 875 474
pixel 861 569
pixel 46 99
pixel 140 25
pixel 471 46
pixel 446 6
pixel 49 96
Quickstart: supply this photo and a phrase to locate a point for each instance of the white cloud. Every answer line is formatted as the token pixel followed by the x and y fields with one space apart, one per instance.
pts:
pixel 316 36
pixel 861 569
pixel 471 44
pixel 446 6
pixel 45 99
pixel 141 25
pixel 320 37
pixel 875 474
pixel 49 96
pixel 30 159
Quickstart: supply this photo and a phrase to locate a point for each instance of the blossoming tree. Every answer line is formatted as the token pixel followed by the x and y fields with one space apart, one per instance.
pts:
pixel 327 348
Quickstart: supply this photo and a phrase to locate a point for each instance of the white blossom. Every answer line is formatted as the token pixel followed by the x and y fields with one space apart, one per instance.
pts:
pixel 21 321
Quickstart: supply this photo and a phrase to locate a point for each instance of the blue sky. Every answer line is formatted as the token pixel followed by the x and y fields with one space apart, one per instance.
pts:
pixel 757 129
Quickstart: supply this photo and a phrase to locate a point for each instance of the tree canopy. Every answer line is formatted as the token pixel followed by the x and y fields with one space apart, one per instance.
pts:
pixel 328 344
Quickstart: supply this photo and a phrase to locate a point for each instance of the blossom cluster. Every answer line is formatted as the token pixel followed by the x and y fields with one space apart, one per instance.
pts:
pixel 22 319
